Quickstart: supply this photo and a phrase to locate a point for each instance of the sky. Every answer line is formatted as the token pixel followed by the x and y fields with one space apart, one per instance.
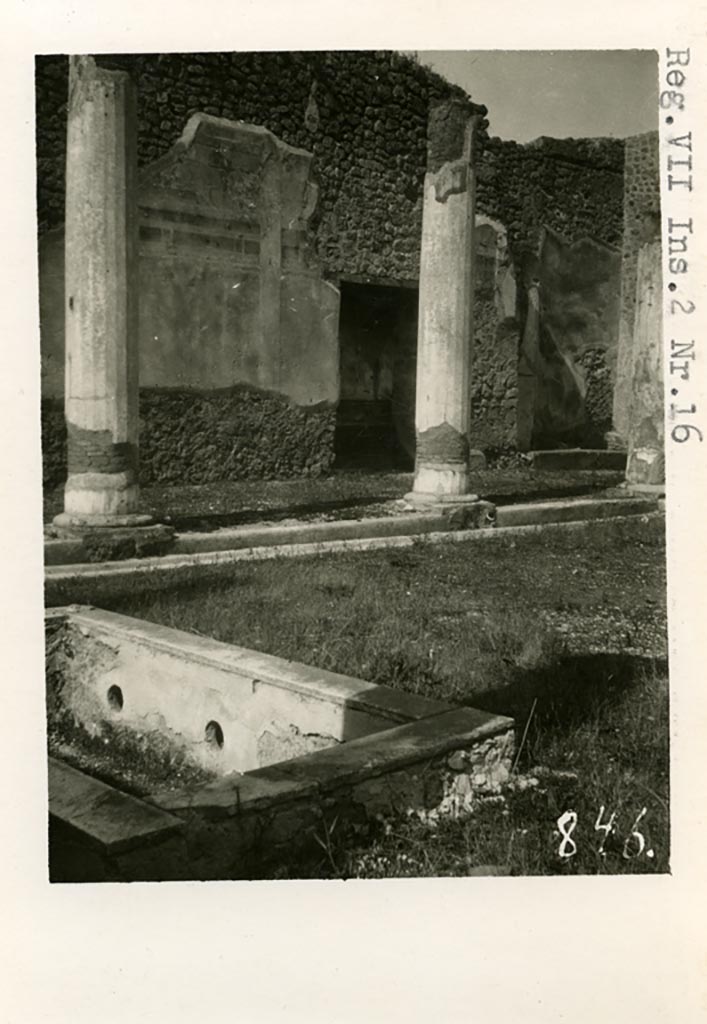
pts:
pixel 560 93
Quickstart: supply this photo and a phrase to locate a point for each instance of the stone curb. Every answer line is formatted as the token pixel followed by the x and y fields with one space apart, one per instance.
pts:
pixel 68 552
pixel 62 552
pixel 324 771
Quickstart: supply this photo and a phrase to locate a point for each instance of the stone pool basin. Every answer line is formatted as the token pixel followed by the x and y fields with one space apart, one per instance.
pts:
pixel 281 749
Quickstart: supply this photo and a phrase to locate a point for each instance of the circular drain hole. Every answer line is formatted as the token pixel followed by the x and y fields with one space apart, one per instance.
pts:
pixel 115 698
pixel 214 735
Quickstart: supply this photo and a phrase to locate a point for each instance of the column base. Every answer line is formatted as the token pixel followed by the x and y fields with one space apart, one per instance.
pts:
pixel 421 499
pixel 445 481
pixel 443 488
pixel 100 511
pixel 102 496
pixel 645 467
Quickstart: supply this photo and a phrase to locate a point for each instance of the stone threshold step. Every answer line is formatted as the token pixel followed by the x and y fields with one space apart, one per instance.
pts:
pixel 572 510
pixel 564 459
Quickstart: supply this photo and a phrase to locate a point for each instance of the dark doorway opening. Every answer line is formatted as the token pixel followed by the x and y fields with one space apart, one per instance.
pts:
pixel 375 426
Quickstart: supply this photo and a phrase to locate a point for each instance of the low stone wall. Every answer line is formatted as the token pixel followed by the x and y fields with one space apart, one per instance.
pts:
pixel 287 749
pixel 245 827
pixel 187 436
pixel 193 437
pixel 452 761
pixel 170 685
pixel 249 827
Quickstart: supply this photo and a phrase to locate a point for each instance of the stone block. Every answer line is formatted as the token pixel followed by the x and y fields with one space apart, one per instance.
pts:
pixel 473 516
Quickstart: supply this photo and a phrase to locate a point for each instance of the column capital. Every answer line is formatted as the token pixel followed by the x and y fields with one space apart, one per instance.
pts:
pixel 451 127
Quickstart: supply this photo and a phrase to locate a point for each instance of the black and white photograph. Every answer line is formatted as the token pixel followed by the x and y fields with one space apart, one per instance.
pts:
pixel 365 459
pixel 353 466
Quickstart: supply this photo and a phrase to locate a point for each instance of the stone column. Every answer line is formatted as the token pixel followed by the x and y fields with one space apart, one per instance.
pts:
pixel 101 371
pixel 645 468
pixel 445 329
pixel 641 215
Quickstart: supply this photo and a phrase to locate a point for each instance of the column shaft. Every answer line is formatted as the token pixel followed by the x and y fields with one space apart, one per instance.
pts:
pixel 101 398
pixel 645 468
pixel 445 331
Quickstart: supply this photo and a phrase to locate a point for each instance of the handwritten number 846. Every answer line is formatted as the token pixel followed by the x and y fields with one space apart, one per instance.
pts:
pixel 567 823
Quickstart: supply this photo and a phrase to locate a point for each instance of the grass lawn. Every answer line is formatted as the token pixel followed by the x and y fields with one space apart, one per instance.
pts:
pixel 565 632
